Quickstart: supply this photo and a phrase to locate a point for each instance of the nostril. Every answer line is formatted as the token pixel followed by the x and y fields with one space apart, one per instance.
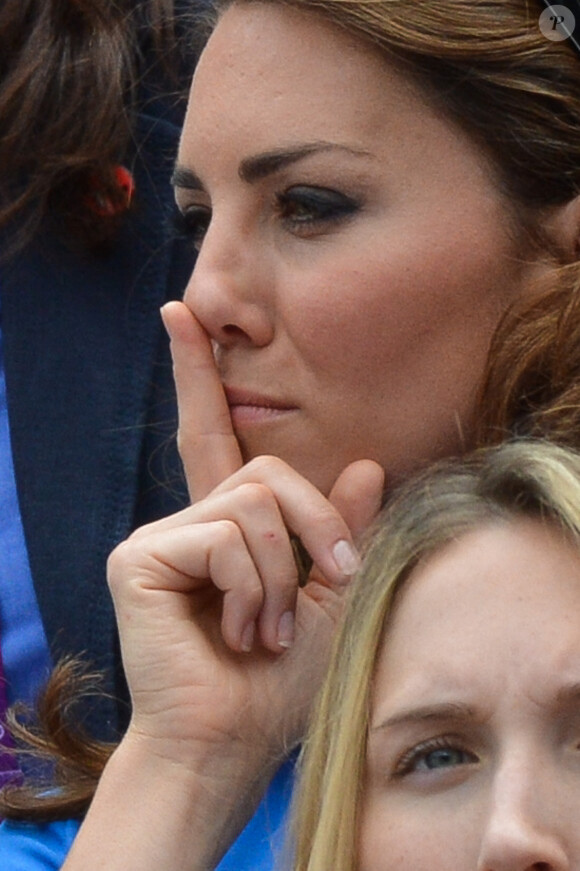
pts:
pixel 232 330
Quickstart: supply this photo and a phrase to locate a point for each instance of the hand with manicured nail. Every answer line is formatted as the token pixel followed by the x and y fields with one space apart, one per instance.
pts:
pixel 220 578
pixel 223 649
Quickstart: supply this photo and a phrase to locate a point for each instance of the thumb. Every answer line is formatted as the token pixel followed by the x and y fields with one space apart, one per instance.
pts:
pixel 357 494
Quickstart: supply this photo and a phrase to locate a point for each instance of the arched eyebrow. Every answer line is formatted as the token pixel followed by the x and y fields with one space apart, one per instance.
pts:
pixel 185 178
pixel 260 166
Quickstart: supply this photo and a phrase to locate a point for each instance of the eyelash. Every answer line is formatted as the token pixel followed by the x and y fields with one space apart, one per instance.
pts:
pixel 409 761
pixel 305 211
pixel 192 224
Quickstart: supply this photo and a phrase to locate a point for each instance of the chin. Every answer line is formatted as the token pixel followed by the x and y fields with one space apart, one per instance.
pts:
pixel 311 468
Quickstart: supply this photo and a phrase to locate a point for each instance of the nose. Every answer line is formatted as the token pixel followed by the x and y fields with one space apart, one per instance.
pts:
pixel 230 291
pixel 523 826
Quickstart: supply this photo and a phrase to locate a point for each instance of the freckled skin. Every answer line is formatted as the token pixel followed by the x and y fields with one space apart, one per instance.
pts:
pixel 375 326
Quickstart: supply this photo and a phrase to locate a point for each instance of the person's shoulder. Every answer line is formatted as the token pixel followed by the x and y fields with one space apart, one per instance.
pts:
pixel 36 846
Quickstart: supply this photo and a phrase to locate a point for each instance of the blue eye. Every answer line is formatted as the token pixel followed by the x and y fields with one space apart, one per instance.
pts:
pixel 192 224
pixel 435 755
pixel 310 208
pixel 442 758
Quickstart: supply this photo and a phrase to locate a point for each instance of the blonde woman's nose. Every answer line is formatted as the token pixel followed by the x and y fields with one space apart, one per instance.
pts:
pixel 523 830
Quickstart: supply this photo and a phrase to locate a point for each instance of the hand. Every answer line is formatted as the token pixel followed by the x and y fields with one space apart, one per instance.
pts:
pixel 192 593
pixel 195 590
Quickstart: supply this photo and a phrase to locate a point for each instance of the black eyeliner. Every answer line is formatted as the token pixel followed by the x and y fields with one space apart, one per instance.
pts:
pixel 324 204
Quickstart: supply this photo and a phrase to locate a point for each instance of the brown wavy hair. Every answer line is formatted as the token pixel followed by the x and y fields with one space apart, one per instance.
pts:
pixel 531 385
pixel 70 76
pixel 56 749
pixel 488 66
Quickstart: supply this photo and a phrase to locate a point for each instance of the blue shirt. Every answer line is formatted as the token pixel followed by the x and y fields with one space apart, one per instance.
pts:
pixel 27 847
pixel 24 647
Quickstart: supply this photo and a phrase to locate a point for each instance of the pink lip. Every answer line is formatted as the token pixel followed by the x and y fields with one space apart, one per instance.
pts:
pixel 256 400
pixel 248 407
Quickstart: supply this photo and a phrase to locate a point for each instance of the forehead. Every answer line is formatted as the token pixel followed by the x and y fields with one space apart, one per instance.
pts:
pixel 499 604
pixel 272 72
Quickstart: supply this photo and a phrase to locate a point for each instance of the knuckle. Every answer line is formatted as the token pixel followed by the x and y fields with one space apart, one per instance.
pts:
pixel 139 534
pixel 247 592
pixel 253 594
pixel 255 495
pixel 286 582
pixel 324 516
pixel 186 443
pixel 228 533
pixel 266 465
pixel 119 562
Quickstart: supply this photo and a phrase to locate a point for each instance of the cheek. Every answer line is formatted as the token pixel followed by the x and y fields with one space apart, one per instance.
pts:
pixel 389 841
pixel 363 320
pixel 409 837
pixel 393 347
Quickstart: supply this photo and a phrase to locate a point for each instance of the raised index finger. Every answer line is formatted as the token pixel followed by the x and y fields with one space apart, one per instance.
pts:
pixel 207 444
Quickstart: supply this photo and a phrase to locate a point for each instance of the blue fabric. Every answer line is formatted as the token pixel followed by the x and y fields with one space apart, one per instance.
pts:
pixel 261 843
pixel 25 847
pixel 92 409
pixel 24 648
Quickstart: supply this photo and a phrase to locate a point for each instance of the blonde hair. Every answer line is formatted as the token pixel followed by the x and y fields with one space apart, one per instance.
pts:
pixel 525 478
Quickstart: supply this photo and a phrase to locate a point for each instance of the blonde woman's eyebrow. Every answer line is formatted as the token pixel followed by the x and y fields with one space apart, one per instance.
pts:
pixel 428 713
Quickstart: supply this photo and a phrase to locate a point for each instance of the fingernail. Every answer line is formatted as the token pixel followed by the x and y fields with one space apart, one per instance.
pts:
pixel 286 629
pixel 346 557
pixel 247 639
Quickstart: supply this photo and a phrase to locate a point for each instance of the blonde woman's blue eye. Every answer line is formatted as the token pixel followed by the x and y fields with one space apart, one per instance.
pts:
pixel 444 757
pixel 303 205
pixel 435 755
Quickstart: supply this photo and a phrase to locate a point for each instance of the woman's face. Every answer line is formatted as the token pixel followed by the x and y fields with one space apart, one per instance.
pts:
pixel 473 757
pixel 356 251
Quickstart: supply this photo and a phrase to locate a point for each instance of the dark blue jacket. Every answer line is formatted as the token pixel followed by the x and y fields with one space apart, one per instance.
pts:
pixel 91 407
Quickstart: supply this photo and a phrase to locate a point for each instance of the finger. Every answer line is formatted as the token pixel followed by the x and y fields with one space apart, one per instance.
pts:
pixel 357 495
pixel 268 500
pixel 306 513
pixel 206 560
pixel 207 444
pixel 267 539
pixel 254 509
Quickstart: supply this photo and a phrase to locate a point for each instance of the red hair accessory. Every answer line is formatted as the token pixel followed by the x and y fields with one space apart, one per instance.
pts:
pixel 105 204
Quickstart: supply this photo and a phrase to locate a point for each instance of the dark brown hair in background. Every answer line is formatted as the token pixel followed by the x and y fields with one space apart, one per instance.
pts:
pixel 70 72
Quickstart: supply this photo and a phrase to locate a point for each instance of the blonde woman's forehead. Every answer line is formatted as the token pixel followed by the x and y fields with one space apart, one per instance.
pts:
pixel 491 614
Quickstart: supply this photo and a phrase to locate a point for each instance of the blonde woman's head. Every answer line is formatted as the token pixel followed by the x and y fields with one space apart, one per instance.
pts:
pixel 466 608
